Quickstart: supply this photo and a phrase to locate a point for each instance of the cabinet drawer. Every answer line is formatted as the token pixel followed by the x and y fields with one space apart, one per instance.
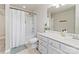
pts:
pixel 43 43
pixel 54 44
pixel 52 50
pixel 42 49
pixel 69 49
pixel 42 38
pixel 39 36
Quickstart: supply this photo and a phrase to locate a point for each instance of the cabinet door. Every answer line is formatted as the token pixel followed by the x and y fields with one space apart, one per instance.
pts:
pixel 54 44
pixel 69 50
pixel 43 43
pixel 52 50
pixel 42 49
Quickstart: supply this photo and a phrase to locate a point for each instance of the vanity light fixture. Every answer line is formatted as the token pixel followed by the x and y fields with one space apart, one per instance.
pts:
pixel 58 5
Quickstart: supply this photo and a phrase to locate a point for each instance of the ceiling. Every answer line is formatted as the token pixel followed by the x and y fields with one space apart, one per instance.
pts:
pixel 30 7
pixel 53 9
pixel 34 7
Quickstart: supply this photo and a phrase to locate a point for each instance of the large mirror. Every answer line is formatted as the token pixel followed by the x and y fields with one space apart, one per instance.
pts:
pixel 62 18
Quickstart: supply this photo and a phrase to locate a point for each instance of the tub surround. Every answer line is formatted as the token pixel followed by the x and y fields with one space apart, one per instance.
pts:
pixel 56 36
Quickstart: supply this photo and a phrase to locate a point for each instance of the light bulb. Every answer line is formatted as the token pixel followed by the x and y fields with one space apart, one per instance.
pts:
pixel 57 6
pixel 62 4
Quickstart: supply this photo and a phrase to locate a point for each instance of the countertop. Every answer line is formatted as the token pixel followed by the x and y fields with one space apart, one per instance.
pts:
pixel 65 40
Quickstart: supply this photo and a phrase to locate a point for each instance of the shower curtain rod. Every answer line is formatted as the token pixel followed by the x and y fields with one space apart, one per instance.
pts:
pixel 23 10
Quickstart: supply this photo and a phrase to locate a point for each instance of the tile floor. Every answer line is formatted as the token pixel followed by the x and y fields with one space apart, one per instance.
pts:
pixel 28 51
pixel 24 50
pixel 18 49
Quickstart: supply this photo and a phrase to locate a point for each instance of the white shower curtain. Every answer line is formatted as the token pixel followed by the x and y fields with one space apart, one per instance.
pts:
pixel 17 27
pixel 22 27
pixel 23 19
pixel 28 26
pixel 13 27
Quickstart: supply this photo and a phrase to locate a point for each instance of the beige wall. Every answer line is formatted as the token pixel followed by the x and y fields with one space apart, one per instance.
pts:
pixel 2 29
pixel 2 21
pixel 69 16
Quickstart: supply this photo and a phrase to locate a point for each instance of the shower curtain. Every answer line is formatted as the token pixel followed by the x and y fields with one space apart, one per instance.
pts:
pixel 22 27
pixel 17 27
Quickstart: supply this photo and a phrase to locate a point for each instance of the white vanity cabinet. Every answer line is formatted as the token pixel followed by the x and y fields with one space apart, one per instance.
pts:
pixel 54 47
pixel 48 45
pixel 43 44
pixel 42 49
pixel 54 44
pixel 52 50
pixel 69 50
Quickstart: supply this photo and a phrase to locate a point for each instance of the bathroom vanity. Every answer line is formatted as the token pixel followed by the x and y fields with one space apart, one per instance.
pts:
pixel 55 43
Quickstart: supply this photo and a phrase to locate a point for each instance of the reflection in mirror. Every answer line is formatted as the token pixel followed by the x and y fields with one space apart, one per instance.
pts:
pixel 62 18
